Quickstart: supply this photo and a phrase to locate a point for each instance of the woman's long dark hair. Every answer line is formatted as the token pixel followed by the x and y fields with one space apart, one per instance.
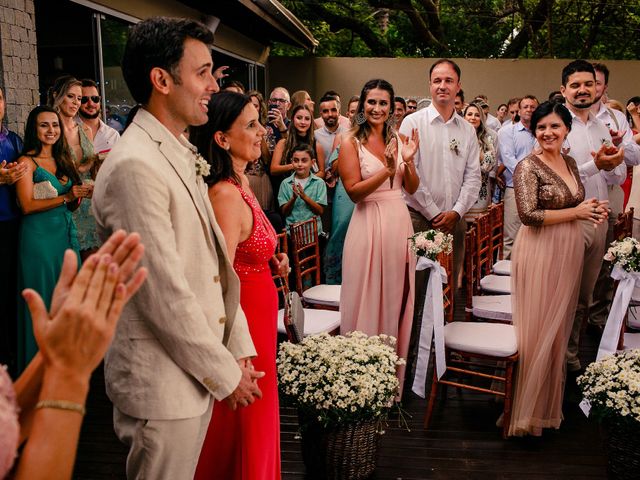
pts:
pixel 65 166
pixel 361 131
pixel 294 139
pixel 224 109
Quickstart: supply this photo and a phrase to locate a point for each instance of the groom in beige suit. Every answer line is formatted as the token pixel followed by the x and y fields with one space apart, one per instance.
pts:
pixel 183 340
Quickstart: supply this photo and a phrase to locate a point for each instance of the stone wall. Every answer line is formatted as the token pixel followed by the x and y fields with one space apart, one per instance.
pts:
pixel 18 61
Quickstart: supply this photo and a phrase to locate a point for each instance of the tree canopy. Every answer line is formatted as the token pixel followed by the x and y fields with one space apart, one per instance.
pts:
pixel 597 29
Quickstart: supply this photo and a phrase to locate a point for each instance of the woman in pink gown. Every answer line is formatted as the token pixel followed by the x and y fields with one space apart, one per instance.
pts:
pixel 377 266
pixel 244 443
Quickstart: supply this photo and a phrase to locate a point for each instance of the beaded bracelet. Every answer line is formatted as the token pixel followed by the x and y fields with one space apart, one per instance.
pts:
pixel 62 405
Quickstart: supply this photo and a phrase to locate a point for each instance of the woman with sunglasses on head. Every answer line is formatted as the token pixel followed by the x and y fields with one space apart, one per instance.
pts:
pixel 46 195
pixel 65 97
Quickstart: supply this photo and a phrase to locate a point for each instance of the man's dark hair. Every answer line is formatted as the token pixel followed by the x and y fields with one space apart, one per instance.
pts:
pixel 461 95
pixel 236 84
pixel 157 42
pixel 327 98
pixel 574 67
pixel 331 93
pixel 602 68
pixel 401 101
pixel 87 82
pixel 450 62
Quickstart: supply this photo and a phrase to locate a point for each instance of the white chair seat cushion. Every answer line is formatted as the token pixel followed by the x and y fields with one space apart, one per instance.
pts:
pixel 315 321
pixel 496 284
pixel 502 267
pixel 631 341
pixel 323 295
pixel 496 339
pixel 634 317
pixel 492 307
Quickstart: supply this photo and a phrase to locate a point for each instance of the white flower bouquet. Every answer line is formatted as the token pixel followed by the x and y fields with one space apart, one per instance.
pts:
pixel 340 379
pixel 625 254
pixel 431 243
pixel 612 386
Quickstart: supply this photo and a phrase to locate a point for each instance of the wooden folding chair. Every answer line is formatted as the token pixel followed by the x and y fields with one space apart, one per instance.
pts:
pixel 306 263
pixel 490 283
pixel 446 260
pixel 316 321
pixel 496 308
pixel 623 227
pixel 496 222
pixel 475 350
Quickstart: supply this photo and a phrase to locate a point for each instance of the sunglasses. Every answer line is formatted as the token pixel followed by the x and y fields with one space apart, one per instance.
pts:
pixel 93 98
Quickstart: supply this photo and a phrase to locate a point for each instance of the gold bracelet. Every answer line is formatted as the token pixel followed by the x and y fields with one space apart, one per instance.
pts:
pixel 62 405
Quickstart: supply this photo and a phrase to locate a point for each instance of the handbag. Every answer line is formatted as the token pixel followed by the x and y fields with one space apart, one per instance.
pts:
pixel 293 314
pixel 44 191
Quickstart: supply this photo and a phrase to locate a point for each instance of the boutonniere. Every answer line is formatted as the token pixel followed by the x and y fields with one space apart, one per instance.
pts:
pixel 454 145
pixel 202 166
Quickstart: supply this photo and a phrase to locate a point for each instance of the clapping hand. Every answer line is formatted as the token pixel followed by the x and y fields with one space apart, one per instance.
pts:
pixel 410 145
pixel 608 157
pixel 10 173
pixel 616 137
pixel 391 156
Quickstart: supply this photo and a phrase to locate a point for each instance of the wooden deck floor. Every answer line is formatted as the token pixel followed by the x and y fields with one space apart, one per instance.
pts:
pixel 462 442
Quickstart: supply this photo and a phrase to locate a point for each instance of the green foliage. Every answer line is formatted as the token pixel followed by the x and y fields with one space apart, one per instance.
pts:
pixel 598 29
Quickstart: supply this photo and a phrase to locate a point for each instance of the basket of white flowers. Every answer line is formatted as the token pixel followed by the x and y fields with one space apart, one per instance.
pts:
pixel 611 386
pixel 343 387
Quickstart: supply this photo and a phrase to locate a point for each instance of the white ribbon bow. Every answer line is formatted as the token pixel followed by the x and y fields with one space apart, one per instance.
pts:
pixel 627 282
pixel 609 341
pixel 432 324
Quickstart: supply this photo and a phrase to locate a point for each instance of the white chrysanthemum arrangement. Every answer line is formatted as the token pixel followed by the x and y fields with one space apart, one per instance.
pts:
pixel 612 386
pixel 625 253
pixel 340 379
pixel 431 243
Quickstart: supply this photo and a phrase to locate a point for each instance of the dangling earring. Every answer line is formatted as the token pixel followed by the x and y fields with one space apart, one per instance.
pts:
pixel 566 147
pixel 360 118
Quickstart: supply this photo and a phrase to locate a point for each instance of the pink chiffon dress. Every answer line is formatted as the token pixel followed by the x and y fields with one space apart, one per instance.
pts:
pixel 377 266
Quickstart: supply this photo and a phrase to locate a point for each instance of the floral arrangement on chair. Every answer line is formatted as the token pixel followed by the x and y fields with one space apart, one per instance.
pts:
pixel 612 386
pixel 340 379
pixel 625 254
pixel 431 243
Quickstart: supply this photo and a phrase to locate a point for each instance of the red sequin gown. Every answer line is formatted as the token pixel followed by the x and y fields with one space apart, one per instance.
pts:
pixel 245 443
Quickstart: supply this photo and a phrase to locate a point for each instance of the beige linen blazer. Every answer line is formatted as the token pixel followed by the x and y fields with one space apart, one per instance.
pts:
pixel 180 336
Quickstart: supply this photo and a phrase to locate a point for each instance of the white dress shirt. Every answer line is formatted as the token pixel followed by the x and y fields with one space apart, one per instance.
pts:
pixel 448 180
pixel 583 139
pixel 106 137
pixel 620 124
pixel 492 122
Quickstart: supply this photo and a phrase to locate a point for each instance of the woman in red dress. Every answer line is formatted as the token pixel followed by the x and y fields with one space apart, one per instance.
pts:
pixel 243 443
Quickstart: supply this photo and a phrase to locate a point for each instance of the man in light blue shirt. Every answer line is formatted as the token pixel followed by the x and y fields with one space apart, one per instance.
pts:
pixel 515 142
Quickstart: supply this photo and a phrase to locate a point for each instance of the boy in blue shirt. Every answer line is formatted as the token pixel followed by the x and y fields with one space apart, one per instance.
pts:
pixel 302 195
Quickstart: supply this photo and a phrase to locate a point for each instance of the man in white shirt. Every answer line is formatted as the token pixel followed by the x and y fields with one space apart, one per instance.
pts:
pixel 330 113
pixel 587 141
pixel 622 135
pixel 515 142
pixel 344 122
pixel 448 165
pixel 104 137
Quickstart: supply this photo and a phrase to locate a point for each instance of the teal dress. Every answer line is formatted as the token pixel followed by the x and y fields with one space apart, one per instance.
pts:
pixel 43 239
pixel 342 210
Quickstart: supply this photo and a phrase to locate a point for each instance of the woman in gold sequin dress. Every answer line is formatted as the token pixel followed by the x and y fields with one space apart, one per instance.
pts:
pixel 546 270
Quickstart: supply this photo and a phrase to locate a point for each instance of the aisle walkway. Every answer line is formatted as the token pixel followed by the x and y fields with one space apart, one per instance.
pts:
pixel 462 443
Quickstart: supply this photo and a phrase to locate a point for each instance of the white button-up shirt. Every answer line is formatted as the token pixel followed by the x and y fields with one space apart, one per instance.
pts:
pixel 448 180
pixel 583 139
pixel 620 124
pixel 106 137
